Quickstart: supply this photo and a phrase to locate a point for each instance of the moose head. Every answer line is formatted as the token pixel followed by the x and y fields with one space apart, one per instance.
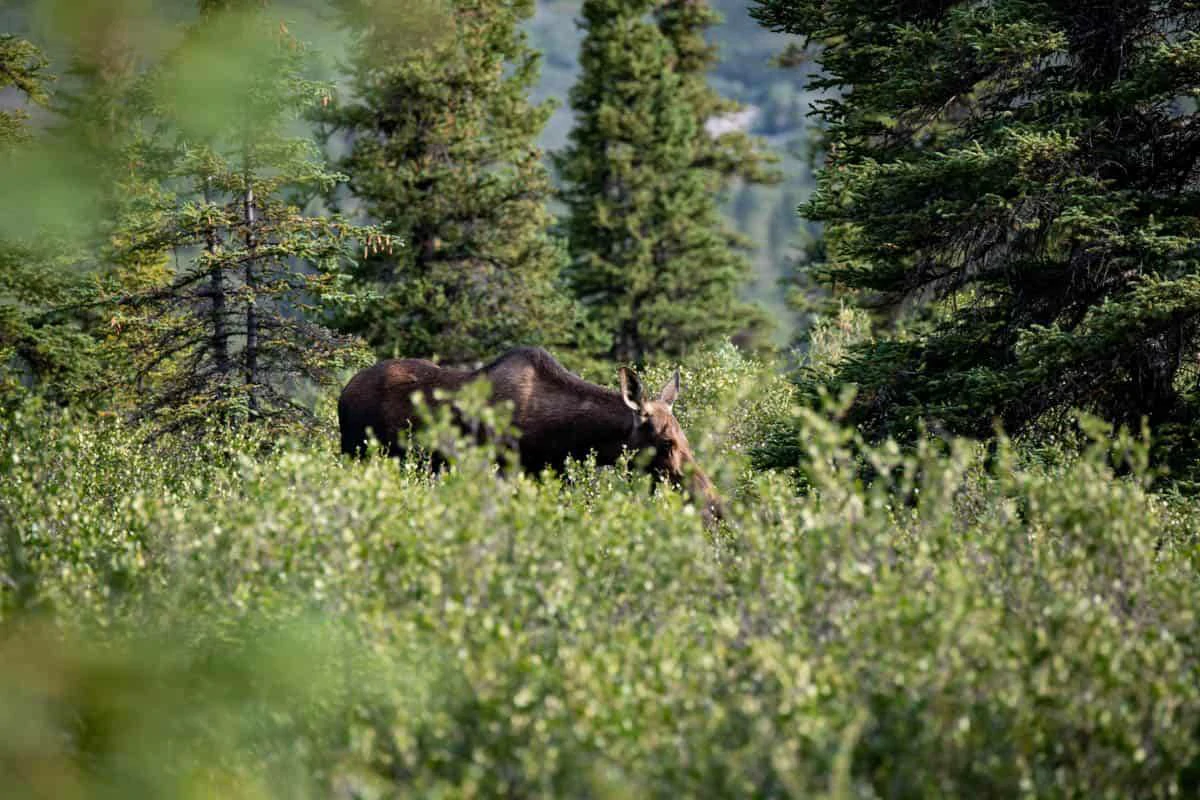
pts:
pixel 656 429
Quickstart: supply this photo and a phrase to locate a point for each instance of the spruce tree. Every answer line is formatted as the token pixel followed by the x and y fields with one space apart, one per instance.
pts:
pixel 1017 182
pixel 97 118
pixel 40 347
pixel 236 332
pixel 442 154
pixel 60 197
pixel 652 262
pixel 733 154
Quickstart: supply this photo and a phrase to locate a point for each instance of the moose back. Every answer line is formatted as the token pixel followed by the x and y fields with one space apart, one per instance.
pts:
pixel 558 415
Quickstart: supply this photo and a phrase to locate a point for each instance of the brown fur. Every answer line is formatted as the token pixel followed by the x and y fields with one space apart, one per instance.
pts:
pixel 558 415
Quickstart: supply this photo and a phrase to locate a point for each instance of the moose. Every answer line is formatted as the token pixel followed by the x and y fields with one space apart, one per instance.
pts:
pixel 558 415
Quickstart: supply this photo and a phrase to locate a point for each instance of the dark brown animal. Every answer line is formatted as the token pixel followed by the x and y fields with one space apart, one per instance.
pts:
pixel 558 415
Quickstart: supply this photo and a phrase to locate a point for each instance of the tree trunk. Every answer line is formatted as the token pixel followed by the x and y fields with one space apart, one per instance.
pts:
pixel 220 337
pixel 251 355
pixel 631 346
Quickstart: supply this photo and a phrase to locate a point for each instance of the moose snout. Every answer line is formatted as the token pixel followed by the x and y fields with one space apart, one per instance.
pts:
pixel 704 495
pixel 712 509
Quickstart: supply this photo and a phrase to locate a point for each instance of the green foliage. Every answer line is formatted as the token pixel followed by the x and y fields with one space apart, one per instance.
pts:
pixel 442 152
pixel 968 623
pixel 44 346
pixel 1022 174
pixel 833 336
pixel 237 711
pixel 651 261
pixel 22 67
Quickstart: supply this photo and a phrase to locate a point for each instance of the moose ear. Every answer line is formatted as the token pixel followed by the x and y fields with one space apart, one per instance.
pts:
pixel 631 389
pixel 670 390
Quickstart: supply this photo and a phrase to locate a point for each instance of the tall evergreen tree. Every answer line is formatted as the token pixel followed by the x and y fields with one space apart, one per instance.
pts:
pixel 59 249
pixel 39 347
pixel 733 154
pixel 96 117
pixel 652 261
pixel 1024 175
pixel 735 158
pixel 235 333
pixel 442 153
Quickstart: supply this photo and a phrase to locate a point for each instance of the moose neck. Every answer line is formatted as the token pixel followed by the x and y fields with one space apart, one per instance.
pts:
pixel 611 427
pixel 606 427
pixel 573 422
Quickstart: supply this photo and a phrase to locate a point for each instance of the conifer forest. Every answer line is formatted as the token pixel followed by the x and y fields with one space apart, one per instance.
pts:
pixel 599 398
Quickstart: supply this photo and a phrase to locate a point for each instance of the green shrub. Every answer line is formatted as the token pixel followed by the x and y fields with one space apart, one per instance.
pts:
pixel 968 624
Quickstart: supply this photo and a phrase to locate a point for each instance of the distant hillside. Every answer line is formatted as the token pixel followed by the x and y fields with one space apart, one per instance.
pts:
pixel 776 109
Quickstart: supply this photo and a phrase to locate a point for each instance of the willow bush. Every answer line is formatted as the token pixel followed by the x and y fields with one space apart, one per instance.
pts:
pixel 972 623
